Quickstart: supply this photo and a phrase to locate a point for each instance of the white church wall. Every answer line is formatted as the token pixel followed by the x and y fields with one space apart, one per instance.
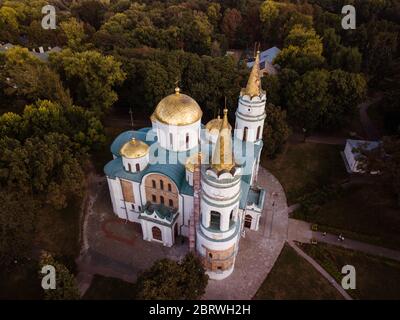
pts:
pixel 172 137
pixel 117 198
pixel 130 164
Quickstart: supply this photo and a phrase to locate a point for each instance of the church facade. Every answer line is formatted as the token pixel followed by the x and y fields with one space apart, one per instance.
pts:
pixel 157 174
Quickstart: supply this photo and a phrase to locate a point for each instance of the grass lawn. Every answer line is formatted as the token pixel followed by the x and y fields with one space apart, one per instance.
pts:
pixel 304 167
pixel 366 212
pixel 376 277
pixel 104 288
pixel 292 277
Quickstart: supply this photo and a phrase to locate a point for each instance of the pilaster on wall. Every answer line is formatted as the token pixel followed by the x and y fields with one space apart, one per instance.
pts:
pixel 194 221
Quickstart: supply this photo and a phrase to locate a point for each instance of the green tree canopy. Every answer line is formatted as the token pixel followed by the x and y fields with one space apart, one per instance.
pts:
pixel 90 76
pixel 66 285
pixel 17 221
pixel 24 76
pixel 276 130
pixel 44 167
pixel 302 51
pixel 171 280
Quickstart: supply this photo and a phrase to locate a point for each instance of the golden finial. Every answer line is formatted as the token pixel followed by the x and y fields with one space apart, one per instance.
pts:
pixel 253 84
pixel 177 89
pixel 223 155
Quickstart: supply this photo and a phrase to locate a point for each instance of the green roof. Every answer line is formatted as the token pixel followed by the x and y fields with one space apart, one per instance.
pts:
pixel 175 171
pixel 160 210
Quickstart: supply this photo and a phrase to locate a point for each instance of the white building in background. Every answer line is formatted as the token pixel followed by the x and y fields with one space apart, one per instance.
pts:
pixel 352 155
pixel 152 176
pixel 266 61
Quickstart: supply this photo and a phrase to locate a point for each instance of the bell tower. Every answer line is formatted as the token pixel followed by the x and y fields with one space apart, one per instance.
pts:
pixel 218 233
pixel 250 114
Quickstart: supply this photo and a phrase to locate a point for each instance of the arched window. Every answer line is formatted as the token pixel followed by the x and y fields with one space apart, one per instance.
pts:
pixel 156 232
pixel 162 199
pixel 153 183
pixel 137 167
pixel 245 133
pixel 169 187
pixel 161 185
pixel 154 198
pixel 231 216
pixel 129 167
pixel 171 203
pixel 187 140
pixel 171 140
pixel 258 132
pixel 215 220
pixel 247 221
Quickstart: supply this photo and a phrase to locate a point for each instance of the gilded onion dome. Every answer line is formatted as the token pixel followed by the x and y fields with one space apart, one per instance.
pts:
pixel 177 109
pixel 192 161
pixel 253 87
pixel 223 153
pixel 215 124
pixel 134 149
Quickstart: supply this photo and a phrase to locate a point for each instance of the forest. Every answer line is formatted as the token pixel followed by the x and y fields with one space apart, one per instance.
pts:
pixel 122 54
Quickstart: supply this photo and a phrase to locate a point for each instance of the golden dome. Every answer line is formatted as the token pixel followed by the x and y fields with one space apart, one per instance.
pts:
pixel 191 161
pixel 177 109
pixel 215 124
pixel 134 149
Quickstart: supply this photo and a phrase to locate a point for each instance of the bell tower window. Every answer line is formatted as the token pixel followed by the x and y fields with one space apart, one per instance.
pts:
pixel 245 133
pixel 258 132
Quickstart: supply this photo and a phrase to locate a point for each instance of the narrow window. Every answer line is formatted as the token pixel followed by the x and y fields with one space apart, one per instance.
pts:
pixel 162 185
pixel 171 203
pixel 169 187
pixel 187 140
pixel 133 207
pixel 154 198
pixel 139 208
pixel 171 140
pixel 137 167
pixel 162 199
pixel 245 133
pixel 153 182
pixel 129 167
pixel 258 132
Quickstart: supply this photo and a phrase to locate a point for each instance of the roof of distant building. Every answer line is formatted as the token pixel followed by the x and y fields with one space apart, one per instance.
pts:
pixel 362 144
pixel 266 56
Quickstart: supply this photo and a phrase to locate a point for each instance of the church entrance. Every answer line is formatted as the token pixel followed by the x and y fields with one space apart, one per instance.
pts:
pixel 247 221
pixel 156 232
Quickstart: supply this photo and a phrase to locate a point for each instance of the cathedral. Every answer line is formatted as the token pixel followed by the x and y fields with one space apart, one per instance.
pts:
pixel 181 178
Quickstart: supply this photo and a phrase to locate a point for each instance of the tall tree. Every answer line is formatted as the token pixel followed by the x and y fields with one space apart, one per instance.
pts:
pixel 66 285
pixel 170 280
pixel 230 23
pixel 24 76
pixel 276 130
pixel 17 221
pixel 90 76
